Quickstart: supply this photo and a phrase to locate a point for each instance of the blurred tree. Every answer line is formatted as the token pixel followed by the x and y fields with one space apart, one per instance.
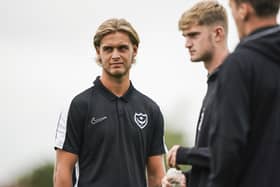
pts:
pixel 172 138
pixel 175 138
pixel 38 177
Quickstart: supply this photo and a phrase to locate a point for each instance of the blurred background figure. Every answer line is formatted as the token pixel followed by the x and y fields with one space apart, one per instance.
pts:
pixel 244 139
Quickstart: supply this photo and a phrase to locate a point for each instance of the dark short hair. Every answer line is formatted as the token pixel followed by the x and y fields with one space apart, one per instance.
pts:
pixel 263 8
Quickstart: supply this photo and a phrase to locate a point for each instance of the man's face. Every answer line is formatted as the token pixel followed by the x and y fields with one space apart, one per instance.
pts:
pixel 116 54
pixel 238 15
pixel 199 42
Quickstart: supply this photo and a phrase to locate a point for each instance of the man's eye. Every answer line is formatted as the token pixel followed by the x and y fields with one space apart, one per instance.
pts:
pixel 192 35
pixel 123 47
pixel 107 49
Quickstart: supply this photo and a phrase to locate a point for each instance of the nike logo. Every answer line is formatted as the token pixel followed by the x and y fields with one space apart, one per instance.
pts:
pixel 94 121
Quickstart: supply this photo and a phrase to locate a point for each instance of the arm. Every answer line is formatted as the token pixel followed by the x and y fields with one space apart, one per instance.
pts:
pixel 69 134
pixel 65 162
pixel 198 156
pixel 155 170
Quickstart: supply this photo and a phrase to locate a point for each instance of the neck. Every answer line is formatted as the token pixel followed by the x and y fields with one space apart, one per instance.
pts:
pixel 257 22
pixel 217 59
pixel 118 86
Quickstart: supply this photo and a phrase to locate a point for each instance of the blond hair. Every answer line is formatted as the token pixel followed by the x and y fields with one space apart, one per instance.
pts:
pixel 208 12
pixel 115 25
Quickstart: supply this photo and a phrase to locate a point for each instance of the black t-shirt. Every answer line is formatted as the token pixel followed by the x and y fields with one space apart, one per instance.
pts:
pixel 112 136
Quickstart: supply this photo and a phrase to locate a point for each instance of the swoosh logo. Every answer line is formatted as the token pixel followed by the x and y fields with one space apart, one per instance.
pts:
pixel 95 121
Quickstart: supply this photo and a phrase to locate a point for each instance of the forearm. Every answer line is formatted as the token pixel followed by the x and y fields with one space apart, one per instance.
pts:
pixel 198 156
pixel 155 171
pixel 62 179
pixel 155 177
pixel 64 166
pixel 154 181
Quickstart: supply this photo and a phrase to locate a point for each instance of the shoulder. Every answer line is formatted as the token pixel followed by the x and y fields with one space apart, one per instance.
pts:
pixel 83 97
pixel 241 60
pixel 144 99
pixel 240 54
pixel 77 102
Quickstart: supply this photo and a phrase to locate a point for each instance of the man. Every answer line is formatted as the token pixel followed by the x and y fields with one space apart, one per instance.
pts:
pixel 245 139
pixel 114 132
pixel 204 27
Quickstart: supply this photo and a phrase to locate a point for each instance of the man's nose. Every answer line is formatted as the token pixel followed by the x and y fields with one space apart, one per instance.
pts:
pixel 188 43
pixel 115 54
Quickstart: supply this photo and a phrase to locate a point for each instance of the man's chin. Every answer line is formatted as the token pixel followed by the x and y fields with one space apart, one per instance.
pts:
pixel 118 74
pixel 195 60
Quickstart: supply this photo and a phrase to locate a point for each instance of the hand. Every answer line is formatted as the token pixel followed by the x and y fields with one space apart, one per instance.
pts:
pixel 167 181
pixel 171 156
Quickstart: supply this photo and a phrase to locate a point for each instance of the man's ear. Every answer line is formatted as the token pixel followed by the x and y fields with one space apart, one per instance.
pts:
pixel 245 10
pixel 97 58
pixel 219 33
pixel 135 50
pixel 97 50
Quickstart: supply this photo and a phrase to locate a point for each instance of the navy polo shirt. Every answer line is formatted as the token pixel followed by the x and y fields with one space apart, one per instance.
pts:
pixel 112 136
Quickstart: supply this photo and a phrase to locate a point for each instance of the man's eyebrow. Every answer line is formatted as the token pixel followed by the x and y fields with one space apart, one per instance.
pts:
pixel 106 46
pixel 191 33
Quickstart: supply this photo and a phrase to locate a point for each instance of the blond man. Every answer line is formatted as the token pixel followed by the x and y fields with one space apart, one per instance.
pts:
pixel 204 27
pixel 112 132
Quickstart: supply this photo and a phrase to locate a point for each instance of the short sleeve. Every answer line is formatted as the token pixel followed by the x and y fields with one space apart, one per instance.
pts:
pixel 69 132
pixel 158 146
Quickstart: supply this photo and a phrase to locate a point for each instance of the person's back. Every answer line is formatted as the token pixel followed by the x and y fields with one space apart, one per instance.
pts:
pixel 245 139
pixel 261 160
pixel 260 150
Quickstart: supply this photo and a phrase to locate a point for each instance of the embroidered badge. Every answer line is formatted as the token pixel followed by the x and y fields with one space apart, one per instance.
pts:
pixel 141 119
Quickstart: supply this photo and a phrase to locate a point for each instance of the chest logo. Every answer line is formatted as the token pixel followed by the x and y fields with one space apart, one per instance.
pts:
pixel 141 119
pixel 94 120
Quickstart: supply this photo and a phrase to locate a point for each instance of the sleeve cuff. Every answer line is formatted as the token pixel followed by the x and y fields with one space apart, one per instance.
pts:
pixel 182 155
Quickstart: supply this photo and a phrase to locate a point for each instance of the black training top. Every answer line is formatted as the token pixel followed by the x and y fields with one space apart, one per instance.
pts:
pixel 245 138
pixel 112 136
pixel 199 156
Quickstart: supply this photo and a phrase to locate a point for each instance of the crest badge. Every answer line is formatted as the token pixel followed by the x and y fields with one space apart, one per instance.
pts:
pixel 141 119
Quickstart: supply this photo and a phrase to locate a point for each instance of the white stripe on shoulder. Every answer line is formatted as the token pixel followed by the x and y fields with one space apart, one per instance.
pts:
pixel 61 128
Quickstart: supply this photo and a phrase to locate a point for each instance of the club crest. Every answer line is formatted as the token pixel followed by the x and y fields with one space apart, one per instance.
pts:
pixel 141 119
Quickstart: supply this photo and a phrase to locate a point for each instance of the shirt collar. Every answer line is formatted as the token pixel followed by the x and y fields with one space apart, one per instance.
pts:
pixel 213 74
pixel 260 32
pixel 107 93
